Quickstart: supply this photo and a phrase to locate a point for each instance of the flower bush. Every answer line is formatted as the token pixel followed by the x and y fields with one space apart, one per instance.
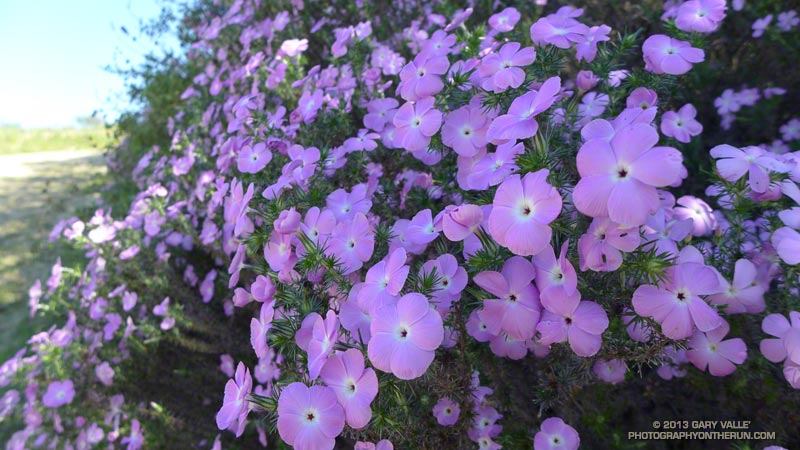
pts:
pixel 445 228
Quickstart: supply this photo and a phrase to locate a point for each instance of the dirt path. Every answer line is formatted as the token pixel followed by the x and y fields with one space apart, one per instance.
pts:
pixel 37 190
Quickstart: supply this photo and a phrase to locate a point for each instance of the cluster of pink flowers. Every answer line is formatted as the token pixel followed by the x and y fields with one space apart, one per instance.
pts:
pixel 390 204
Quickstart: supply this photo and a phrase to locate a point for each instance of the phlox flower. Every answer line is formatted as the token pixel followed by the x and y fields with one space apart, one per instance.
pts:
pixel 519 123
pixel 786 341
pixel 787 20
pixel 601 248
pixel 505 20
pixel 501 71
pixel 556 278
pixel 642 97
pixel 135 440
pixel 355 385
pixel 405 336
pixel 505 346
pixel 309 418
pixel 761 25
pixel 324 335
pixel 495 167
pixel 422 77
pixel 681 125
pixel 745 294
pixel 461 221
pixel 515 309
pixel 446 412
pixel 307 107
pixel 380 112
pixel 259 327
pixel 415 123
pixel 557 30
pixel 439 44
pixel 556 435
pixel 386 278
pixel 733 163
pixel 612 371
pixel 581 323
pixel 345 206
pixel 619 177
pixel 235 406
pixel 672 366
pixel 702 16
pixel 104 373
pixel 278 252
pixel 592 104
pixel 787 243
pixel 354 314
pixel 663 231
pixel 586 80
pixel 676 304
pixel 586 47
pixel 465 129
pixel 421 230
pixel 663 54
pixel 699 212
pixel 253 158
pixel 352 243
pixel 363 141
pixel 521 212
pixel 58 394
pixel 383 444
pixel 451 280
pixel 707 351
pixel 790 131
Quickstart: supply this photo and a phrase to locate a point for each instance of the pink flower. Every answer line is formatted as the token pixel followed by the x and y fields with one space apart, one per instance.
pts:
pixel 504 20
pixel 495 167
pixel 105 373
pixel 252 159
pixel 451 280
pixel 461 221
pixel 601 248
pixel 612 371
pixel 555 278
pixel 386 278
pixel 135 440
pixel 464 130
pixel 734 163
pixel 619 177
pixel 676 305
pixel 516 309
pixel 787 337
pixel 521 212
pixel 582 323
pixel 557 30
pixel 586 48
pixel 380 112
pixel 324 335
pixel 354 385
pixel 405 336
pixel 556 435
pixel 235 406
pixel 308 106
pixel 501 70
pixel 709 351
pixel 364 141
pixel 662 54
pixel 383 444
pixel 702 216
pixel 702 16
pixel 415 123
pixel 259 329
pixel 422 77
pixel 309 418
pixel 352 243
pixel 760 25
pixel 519 122
pixel 346 205
pixel 681 125
pixel 58 394
pixel 787 244
pixel 745 294
pixel 446 412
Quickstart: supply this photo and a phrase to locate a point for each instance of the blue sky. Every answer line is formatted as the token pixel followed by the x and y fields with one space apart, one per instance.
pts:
pixel 53 54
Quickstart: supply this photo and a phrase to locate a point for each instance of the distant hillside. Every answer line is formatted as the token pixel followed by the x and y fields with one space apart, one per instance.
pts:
pixel 14 139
